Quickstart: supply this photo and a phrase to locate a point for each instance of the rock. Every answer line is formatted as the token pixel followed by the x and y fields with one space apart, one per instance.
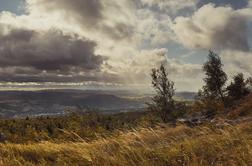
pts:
pixel 194 121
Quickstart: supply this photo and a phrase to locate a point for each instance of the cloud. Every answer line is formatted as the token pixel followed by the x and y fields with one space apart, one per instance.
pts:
pixel 50 50
pixel 113 41
pixel 214 28
pixel 237 61
pixel 153 29
pixel 107 17
pixel 86 11
pixel 29 52
pixel 138 69
pixel 249 3
pixel 45 47
pixel 171 6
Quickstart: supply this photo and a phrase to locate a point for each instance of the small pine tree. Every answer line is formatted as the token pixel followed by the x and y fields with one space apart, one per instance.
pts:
pixel 238 87
pixel 163 101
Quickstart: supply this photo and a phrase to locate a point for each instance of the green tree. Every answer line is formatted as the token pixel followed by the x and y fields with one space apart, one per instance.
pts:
pixel 238 87
pixel 163 101
pixel 215 79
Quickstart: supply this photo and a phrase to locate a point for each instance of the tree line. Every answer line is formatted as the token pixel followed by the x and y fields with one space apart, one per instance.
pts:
pixel 215 96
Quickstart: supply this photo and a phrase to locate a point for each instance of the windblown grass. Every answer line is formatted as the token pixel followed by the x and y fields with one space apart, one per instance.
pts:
pixel 162 145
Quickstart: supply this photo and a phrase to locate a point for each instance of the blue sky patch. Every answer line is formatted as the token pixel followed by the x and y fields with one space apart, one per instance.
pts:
pixel 14 6
pixel 235 4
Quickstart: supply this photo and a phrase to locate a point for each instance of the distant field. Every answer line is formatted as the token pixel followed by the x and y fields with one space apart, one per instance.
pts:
pixel 16 104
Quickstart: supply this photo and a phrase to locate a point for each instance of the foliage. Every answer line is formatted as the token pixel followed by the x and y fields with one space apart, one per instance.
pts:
pixel 211 98
pixel 163 101
pixel 238 88
pixel 215 79
pixel 180 109
pixel 87 126
pixel 208 107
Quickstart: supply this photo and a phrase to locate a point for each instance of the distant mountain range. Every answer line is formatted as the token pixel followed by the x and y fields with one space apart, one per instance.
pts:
pixel 58 102
pixel 186 95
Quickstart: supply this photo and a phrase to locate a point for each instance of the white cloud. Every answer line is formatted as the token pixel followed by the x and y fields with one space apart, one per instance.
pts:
pixel 152 28
pixel 137 70
pixel 237 61
pixel 214 28
pixel 249 3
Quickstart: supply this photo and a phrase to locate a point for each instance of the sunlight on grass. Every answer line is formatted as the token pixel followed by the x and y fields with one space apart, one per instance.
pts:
pixel 162 145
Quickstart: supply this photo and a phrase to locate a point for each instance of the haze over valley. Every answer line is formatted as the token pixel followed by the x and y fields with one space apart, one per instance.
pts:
pixel 64 101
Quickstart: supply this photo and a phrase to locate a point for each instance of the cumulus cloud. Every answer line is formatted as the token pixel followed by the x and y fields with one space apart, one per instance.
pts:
pixel 214 28
pixel 29 52
pixel 50 50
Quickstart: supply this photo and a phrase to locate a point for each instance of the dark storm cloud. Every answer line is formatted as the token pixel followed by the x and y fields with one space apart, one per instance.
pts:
pixel 42 56
pixel 235 4
pixel 51 50
pixel 18 35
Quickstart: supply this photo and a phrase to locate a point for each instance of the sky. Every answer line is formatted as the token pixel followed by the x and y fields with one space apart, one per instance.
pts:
pixel 115 44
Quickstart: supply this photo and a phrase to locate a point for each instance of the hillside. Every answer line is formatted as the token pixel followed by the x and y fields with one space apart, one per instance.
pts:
pixel 133 139
pixel 242 108
pixel 162 145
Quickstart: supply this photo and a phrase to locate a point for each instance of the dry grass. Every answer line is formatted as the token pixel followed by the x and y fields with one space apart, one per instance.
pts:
pixel 205 145
pixel 243 108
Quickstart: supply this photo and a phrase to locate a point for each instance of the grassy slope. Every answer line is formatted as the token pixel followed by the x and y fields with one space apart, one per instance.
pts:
pixel 243 108
pixel 205 145
pixel 60 129
pixel 209 144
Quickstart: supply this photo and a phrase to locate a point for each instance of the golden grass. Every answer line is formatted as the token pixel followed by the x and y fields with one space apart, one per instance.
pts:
pixel 163 145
